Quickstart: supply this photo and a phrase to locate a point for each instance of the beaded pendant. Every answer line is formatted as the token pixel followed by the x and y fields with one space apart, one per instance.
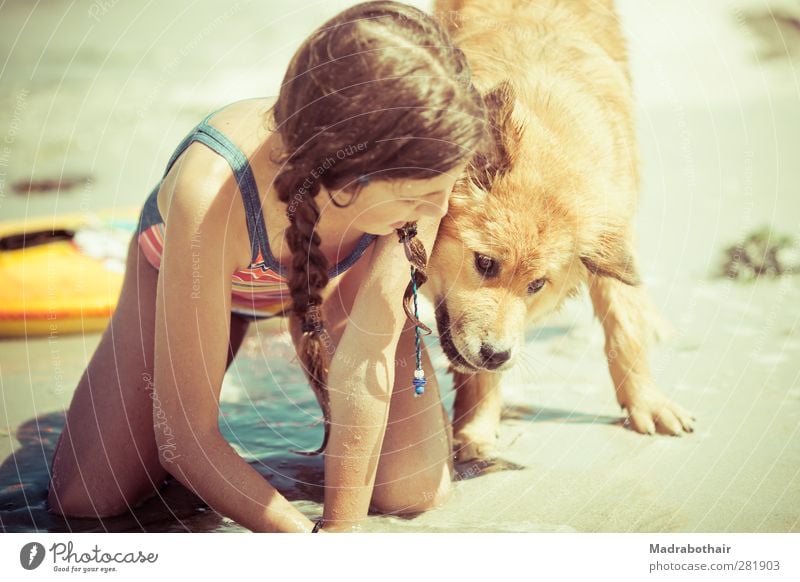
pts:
pixel 419 375
pixel 406 233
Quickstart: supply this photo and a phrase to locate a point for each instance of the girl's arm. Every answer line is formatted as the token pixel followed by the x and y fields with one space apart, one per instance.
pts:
pixel 361 378
pixel 191 346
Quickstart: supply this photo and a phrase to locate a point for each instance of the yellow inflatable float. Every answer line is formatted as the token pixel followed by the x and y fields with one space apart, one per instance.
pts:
pixel 62 275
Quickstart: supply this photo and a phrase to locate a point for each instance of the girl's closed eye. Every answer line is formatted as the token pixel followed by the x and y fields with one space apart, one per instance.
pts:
pixel 429 198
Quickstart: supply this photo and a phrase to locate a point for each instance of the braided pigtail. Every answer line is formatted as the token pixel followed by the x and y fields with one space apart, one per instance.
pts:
pixel 416 255
pixel 308 276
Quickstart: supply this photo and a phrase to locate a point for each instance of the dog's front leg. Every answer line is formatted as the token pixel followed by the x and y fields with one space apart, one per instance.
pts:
pixel 630 323
pixel 476 414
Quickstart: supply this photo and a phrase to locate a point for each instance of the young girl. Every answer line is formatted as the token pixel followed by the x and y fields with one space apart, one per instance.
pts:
pixel 375 121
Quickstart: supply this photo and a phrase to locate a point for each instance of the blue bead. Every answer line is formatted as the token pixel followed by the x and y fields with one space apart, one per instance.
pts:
pixel 419 385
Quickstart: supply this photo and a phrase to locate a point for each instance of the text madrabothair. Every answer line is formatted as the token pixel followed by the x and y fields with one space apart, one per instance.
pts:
pixel 689 549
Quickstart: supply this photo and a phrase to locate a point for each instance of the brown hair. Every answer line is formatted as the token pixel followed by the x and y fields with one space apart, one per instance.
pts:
pixel 376 92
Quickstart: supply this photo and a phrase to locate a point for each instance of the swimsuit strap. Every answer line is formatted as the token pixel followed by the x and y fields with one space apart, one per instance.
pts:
pixel 210 136
pixel 256 227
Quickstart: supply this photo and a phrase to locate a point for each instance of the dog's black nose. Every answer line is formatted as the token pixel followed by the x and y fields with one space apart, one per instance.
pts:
pixel 492 359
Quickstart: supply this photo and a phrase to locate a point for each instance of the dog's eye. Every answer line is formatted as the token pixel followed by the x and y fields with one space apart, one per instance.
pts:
pixel 486 266
pixel 536 286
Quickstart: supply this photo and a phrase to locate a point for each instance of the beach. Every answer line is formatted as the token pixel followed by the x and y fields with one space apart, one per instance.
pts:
pixel 107 90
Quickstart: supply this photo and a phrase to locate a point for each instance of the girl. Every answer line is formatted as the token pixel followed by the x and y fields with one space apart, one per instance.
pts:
pixel 374 122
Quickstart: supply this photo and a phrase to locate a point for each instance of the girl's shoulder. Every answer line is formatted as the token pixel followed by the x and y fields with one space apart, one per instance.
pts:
pixel 202 178
pixel 246 122
pixel 246 125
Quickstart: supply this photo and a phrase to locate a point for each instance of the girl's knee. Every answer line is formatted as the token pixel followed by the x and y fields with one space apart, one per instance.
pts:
pixel 71 496
pixel 398 499
pixel 74 501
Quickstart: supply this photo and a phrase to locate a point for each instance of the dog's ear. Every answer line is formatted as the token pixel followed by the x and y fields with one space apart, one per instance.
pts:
pixel 612 259
pixel 498 154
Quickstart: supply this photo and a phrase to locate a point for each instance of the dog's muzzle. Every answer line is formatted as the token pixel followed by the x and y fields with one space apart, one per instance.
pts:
pixel 490 359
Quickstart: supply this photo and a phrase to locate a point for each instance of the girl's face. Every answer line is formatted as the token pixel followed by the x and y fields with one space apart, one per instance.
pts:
pixel 381 207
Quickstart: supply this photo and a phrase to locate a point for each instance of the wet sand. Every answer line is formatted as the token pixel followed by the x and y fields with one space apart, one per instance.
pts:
pixel 719 123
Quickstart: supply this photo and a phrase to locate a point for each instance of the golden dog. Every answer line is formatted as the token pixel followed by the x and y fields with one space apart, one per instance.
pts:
pixel 545 209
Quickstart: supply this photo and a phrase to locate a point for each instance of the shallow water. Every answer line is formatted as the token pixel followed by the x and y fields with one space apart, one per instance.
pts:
pixel 266 410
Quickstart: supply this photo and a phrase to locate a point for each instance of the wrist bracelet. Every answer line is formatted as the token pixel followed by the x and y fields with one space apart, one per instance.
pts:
pixel 317 525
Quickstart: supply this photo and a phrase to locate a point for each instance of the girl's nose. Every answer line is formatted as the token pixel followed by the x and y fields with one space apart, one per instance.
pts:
pixel 436 206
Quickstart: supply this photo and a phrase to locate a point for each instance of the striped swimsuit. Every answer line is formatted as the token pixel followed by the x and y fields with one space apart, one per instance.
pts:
pixel 261 290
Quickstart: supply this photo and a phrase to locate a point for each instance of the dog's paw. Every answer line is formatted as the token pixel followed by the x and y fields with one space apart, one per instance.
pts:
pixel 468 446
pixel 649 412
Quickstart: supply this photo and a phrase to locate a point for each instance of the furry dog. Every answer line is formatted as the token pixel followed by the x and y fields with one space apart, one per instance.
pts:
pixel 545 209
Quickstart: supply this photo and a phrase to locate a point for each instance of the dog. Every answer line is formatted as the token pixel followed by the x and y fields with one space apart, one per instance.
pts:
pixel 545 209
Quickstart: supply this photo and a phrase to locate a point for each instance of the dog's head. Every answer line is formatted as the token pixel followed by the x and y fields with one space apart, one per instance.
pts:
pixel 524 230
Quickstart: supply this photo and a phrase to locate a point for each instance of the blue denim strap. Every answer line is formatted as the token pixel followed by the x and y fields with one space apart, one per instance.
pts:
pixel 218 142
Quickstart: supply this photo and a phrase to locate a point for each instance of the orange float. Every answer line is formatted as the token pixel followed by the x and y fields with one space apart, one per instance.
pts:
pixel 62 275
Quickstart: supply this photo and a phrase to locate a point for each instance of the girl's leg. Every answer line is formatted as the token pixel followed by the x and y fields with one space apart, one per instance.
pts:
pixel 106 460
pixel 416 465
pixel 239 327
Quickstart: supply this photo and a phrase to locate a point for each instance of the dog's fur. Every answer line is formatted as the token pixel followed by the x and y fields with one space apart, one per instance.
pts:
pixel 552 197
